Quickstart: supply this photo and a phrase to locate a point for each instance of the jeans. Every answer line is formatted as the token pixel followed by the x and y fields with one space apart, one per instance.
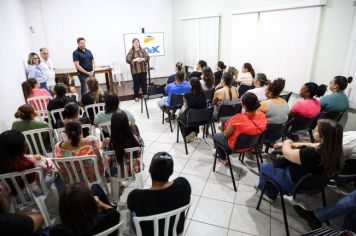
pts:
pixel 44 86
pixel 99 192
pixel 82 79
pixel 279 175
pixel 139 81
pixel 345 206
pixel 220 139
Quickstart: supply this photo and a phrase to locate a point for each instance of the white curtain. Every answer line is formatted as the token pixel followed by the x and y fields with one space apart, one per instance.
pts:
pixel 282 43
pixel 200 40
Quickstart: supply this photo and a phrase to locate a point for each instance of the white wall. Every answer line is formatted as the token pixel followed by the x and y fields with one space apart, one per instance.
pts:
pixel 332 40
pixel 14 47
pixel 58 24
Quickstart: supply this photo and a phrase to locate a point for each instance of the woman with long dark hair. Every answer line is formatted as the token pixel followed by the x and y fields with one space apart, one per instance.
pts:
pixel 84 212
pixel 138 58
pixel 322 158
pixel 195 99
pixel 122 137
pixel 245 78
pixel 94 94
pixel 220 68
pixel 208 80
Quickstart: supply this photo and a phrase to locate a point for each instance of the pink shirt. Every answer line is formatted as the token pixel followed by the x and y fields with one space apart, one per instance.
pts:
pixel 39 93
pixel 309 108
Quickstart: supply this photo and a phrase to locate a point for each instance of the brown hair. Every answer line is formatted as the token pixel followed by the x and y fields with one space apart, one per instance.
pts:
pixel 330 148
pixel 180 76
pixel 276 87
pixel 93 89
pixel 30 58
pixel 80 39
pixel 25 112
pixel 342 81
pixel 28 86
pixel 208 77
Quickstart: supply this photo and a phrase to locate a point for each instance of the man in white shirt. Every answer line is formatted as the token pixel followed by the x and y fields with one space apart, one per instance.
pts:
pixel 46 66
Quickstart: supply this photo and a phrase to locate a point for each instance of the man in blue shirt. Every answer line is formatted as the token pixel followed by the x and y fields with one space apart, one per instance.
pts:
pixel 84 63
pixel 179 87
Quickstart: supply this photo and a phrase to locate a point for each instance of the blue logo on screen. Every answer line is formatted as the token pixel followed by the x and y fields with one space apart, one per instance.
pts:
pixel 153 49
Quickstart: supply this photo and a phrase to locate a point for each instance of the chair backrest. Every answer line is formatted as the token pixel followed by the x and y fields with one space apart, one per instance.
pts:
pixel 155 90
pixel 247 141
pixel 176 100
pixel 273 132
pixel 74 169
pixel 166 217
pixel 93 109
pixel 39 103
pixel 198 117
pixel 286 96
pixel 209 94
pixel 105 130
pixel 40 141
pixel 57 115
pixel 110 230
pixel 23 196
pixel 227 111
pixel 310 183
pixel 300 123
pixel 60 133
pixel 332 115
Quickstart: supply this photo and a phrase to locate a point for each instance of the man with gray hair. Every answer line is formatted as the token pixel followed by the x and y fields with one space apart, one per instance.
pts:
pixel 46 66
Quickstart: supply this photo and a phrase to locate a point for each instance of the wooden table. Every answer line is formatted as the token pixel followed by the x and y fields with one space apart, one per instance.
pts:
pixel 107 70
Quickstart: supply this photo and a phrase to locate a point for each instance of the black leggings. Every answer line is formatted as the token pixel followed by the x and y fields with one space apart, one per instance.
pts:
pixel 139 81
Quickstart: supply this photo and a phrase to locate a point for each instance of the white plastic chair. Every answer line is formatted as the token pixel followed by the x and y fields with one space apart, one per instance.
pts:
pixel 39 103
pixel 110 230
pixel 115 181
pixel 55 114
pixel 74 169
pixel 163 216
pixel 94 108
pixel 61 136
pixel 35 142
pixel 104 128
pixel 25 197
pixel 117 73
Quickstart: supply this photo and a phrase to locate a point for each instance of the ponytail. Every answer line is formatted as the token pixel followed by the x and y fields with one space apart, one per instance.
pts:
pixel 73 130
pixel 349 79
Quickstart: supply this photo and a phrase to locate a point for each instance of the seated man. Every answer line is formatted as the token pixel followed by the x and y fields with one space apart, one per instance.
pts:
pixel 163 196
pixel 179 87
pixel 345 206
pixel 17 224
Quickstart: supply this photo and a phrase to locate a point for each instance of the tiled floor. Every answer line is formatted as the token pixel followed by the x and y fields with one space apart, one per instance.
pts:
pixel 216 209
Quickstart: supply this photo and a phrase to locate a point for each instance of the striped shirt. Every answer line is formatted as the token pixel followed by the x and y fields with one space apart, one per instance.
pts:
pixel 137 67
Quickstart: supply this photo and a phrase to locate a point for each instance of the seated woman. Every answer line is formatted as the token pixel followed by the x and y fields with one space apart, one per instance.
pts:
pixel 324 157
pixel 33 70
pixel 26 113
pixel 234 73
pixel 198 69
pixel 260 83
pixel 84 212
pixel 220 68
pixel 275 108
pixel 207 81
pixel 179 68
pixel 309 107
pixel 31 88
pixel 76 146
pixel 122 137
pixel 70 86
pixel 250 122
pixel 94 94
pixel 195 99
pixel 337 101
pixel 59 101
pixel 226 94
pixel 13 159
pixel 111 105
pixel 245 79
pixel 163 196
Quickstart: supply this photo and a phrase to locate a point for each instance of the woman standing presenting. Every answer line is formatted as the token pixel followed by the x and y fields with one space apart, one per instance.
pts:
pixel 137 58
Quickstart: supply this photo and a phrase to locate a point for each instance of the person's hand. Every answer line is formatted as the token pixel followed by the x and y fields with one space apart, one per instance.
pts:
pixel 37 157
pixel 136 59
pixel 288 141
pixel 277 145
pixel 106 142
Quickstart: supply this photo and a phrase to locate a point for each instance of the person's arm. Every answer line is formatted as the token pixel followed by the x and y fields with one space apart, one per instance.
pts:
pixel 289 153
pixel 129 57
pixel 217 97
pixel 101 205
pixel 81 69
pixel 228 131
pixel 31 72
pixel 37 221
pixel 264 107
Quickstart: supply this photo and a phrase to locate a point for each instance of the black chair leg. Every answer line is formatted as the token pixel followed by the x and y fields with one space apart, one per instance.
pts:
pixel 267 148
pixel 311 135
pixel 184 139
pixel 170 121
pixel 212 128
pixel 142 104
pixel 178 132
pixel 148 116
pixel 284 215
pixel 324 203
pixel 257 159
pixel 163 115
pixel 260 199
pixel 240 156
pixel 243 157
pixel 231 172
pixel 215 158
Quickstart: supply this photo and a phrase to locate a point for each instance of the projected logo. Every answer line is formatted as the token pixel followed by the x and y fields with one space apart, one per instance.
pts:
pixel 151 49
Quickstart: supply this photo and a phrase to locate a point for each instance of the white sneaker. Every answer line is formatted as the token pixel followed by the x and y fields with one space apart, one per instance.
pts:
pixel 190 137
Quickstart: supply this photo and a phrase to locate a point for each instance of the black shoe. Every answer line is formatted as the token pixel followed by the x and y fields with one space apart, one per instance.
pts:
pixel 308 216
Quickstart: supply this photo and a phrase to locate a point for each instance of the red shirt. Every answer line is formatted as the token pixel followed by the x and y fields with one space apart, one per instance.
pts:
pixel 247 123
